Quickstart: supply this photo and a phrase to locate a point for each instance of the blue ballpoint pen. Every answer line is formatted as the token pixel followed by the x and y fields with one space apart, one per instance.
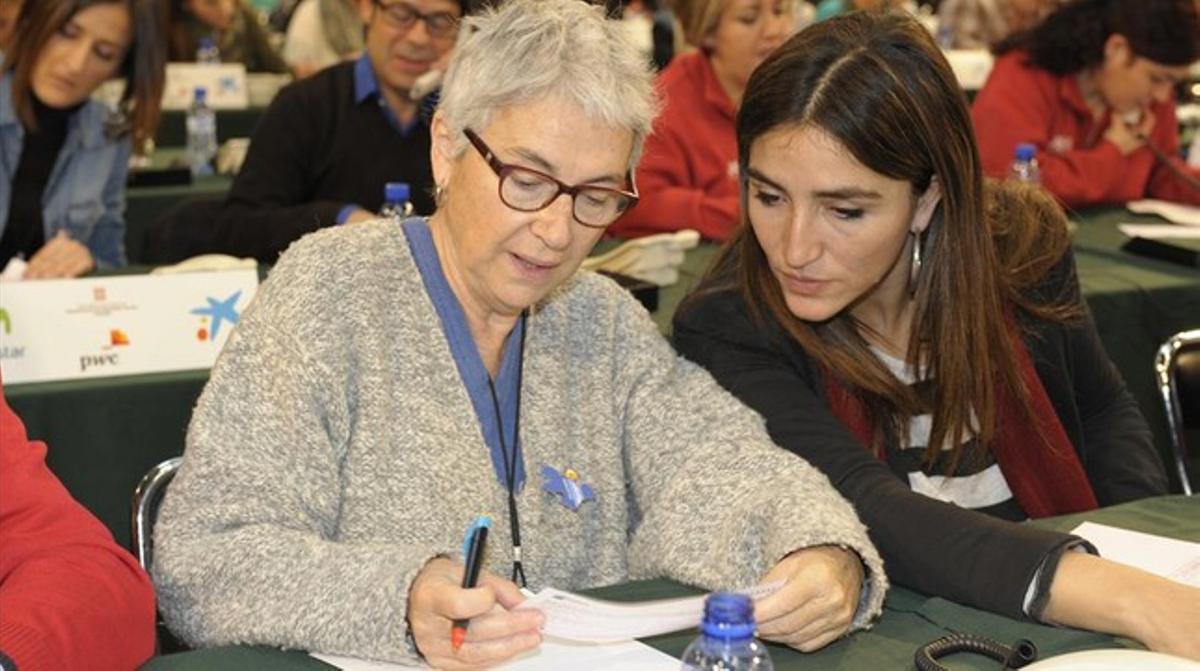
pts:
pixel 473 546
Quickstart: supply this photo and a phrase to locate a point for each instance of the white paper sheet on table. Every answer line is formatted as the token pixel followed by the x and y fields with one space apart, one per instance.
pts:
pixel 579 618
pixel 1188 215
pixel 591 633
pixel 553 655
pixel 1167 557
pixel 1159 231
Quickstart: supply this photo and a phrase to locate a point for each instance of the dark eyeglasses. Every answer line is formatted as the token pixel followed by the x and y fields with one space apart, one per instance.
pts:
pixel 402 16
pixel 529 190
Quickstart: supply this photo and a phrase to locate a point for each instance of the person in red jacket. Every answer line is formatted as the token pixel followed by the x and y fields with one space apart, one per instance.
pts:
pixel 70 597
pixel 1092 88
pixel 687 177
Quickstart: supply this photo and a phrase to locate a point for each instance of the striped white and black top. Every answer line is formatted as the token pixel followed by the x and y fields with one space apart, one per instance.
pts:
pixel 976 482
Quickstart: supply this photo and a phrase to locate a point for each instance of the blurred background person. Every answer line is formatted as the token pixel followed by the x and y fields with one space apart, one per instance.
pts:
pixel 1093 88
pixel 321 33
pixel 328 144
pixel 688 175
pixel 981 24
pixel 63 156
pixel 231 25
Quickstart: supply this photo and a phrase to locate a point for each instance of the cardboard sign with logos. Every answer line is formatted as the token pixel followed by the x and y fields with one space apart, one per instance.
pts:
pixel 121 325
pixel 224 84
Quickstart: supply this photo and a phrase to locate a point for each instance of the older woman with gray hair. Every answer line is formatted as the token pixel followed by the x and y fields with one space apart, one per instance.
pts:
pixel 391 381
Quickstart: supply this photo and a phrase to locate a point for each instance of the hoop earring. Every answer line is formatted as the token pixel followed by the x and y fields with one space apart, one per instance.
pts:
pixel 914 270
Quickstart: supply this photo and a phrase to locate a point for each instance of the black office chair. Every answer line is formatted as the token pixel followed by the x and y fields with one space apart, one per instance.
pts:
pixel 1177 370
pixel 147 497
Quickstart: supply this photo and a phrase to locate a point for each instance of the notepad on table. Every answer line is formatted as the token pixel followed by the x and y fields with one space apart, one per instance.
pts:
pixel 1167 557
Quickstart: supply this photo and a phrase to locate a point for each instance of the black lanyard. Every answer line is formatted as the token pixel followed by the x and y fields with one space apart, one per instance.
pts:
pixel 510 458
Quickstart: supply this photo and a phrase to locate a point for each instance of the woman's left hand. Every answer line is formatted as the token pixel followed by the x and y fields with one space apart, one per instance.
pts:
pixel 60 257
pixel 816 604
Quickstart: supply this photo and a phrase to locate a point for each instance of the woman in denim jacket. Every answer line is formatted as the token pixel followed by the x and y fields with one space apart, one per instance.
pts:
pixel 63 156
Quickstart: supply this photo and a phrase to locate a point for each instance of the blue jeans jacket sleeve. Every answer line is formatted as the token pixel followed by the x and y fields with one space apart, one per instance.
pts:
pixel 107 243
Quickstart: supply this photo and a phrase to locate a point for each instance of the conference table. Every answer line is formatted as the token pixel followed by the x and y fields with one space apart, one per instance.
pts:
pixel 909 619
pixel 104 434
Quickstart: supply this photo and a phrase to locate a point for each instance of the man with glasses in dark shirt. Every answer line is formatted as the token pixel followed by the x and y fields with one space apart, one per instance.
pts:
pixel 327 145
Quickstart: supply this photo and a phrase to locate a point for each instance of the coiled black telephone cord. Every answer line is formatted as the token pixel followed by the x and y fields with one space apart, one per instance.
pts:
pixel 1021 653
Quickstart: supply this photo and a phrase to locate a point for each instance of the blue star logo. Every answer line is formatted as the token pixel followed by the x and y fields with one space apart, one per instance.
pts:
pixel 220 311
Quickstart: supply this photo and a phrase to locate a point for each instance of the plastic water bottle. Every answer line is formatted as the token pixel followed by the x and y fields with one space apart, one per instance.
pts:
pixel 208 53
pixel 1024 167
pixel 726 641
pixel 396 204
pixel 201 134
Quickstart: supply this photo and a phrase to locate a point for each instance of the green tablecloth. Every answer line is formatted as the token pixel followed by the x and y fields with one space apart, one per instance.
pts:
pixel 909 619
pixel 104 434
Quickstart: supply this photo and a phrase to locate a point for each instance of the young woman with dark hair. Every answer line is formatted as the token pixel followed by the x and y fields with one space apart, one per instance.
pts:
pixel 64 157
pixel 919 336
pixel 1093 88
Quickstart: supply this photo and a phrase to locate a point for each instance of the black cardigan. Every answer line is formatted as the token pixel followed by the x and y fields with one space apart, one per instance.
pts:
pixel 927 545
pixel 316 150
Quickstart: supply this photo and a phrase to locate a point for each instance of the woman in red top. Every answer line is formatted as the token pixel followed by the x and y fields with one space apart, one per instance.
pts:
pixel 1093 89
pixel 687 177
pixel 70 597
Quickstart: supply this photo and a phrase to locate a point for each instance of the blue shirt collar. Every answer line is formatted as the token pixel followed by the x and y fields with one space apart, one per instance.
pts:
pixel 366 87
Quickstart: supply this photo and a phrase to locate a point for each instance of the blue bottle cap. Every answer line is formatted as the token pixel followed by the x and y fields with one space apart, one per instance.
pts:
pixel 728 616
pixel 207 42
pixel 1026 151
pixel 395 192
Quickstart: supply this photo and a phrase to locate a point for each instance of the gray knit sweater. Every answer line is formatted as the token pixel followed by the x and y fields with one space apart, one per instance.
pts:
pixel 335 451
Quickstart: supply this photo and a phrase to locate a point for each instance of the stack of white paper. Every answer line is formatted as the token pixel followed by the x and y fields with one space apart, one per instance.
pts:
pixel 578 618
pixel 654 258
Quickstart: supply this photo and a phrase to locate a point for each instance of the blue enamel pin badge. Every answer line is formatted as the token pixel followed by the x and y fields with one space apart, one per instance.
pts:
pixel 571 490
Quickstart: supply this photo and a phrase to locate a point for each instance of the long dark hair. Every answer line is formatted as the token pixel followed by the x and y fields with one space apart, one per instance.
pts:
pixel 143 67
pixel 880 86
pixel 1072 38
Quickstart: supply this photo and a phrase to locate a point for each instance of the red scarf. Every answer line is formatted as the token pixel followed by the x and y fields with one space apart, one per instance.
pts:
pixel 1040 464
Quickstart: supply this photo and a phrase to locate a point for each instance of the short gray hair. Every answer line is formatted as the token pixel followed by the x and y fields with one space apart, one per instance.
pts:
pixel 527 50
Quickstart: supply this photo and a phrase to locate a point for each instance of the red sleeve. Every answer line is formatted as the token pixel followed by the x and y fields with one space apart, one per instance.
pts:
pixel 70 598
pixel 670 198
pixel 1164 183
pixel 1018 104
